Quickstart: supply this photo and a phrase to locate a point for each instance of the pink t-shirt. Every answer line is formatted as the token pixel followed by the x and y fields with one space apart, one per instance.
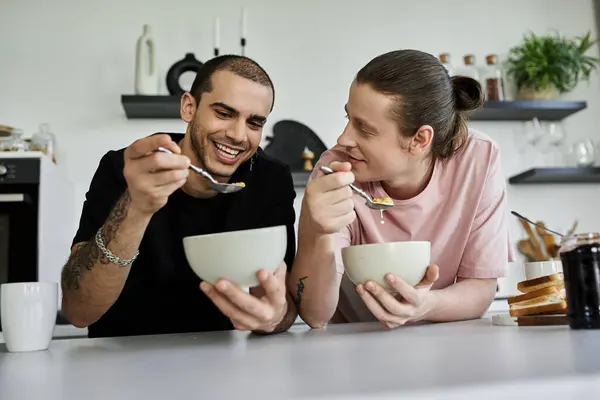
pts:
pixel 462 212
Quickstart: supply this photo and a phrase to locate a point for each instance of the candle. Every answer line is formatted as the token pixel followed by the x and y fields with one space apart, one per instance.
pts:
pixel 217 32
pixel 244 27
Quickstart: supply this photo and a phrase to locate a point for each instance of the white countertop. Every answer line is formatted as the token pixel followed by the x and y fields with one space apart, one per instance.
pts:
pixel 462 360
pixel 71 332
pixel 21 154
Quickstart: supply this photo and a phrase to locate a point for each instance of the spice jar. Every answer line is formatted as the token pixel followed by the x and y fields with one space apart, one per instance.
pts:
pixel 44 141
pixel 469 69
pixel 5 142
pixel 580 256
pixel 445 60
pixel 494 84
pixel 17 142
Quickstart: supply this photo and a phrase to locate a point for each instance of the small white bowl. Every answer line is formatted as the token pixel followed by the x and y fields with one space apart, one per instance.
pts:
pixel 236 256
pixel 542 268
pixel 406 260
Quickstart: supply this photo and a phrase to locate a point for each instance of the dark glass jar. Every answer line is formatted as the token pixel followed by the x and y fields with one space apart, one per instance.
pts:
pixel 580 256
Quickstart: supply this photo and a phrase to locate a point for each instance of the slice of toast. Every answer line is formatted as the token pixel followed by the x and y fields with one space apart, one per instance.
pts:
pixel 550 308
pixel 533 297
pixel 532 285
pixel 549 304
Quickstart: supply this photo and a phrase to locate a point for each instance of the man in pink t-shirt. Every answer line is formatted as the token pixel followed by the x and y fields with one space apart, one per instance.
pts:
pixel 447 186
pixel 461 211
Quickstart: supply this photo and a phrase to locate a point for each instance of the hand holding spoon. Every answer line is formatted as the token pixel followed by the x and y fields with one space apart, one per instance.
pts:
pixel 372 204
pixel 217 186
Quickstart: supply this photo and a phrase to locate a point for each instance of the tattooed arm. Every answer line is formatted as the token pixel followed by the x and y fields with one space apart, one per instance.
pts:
pixel 90 282
pixel 314 279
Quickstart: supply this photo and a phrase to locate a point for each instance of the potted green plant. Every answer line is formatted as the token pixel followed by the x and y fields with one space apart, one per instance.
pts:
pixel 543 67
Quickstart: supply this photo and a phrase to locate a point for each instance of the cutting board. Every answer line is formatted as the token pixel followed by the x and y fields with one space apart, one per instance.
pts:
pixel 529 320
pixel 288 142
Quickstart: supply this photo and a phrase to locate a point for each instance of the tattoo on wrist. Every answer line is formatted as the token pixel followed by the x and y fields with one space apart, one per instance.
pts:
pixel 300 290
pixel 88 254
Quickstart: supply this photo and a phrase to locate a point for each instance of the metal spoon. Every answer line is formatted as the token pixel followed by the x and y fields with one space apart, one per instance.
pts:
pixel 369 201
pixel 516 214
pixel 217 186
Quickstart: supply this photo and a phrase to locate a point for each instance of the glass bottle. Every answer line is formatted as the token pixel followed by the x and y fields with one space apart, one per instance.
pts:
pixel 44 141
pixel 580 256
pixel 17 143
pixel 494 84
pixel 469 69
pixel 5 143
pixel 445 60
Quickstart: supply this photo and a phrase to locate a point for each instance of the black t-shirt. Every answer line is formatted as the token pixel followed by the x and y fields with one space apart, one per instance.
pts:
pixel 162 294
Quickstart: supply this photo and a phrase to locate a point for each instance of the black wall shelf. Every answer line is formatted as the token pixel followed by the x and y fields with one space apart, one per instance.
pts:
pixel 137 106
pixel 526 110
pixel 531 176
pixel 557 175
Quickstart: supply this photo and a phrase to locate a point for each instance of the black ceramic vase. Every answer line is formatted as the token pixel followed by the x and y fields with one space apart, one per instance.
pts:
pixel 188 64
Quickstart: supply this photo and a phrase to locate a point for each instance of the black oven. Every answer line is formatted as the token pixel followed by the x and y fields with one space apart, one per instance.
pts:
pixel 19 220
pixel 19 203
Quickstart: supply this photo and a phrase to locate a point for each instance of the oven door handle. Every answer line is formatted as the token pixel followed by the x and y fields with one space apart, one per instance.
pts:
pixel 12 197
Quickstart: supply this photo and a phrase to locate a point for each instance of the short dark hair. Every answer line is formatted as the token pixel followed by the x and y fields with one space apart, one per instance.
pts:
pixel 425 95
pixel 239 65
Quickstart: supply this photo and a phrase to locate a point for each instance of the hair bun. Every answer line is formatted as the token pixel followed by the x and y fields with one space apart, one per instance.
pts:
pixel 468 94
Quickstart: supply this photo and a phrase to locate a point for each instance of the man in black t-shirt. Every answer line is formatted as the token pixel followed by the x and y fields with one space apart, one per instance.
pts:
pixel 128 274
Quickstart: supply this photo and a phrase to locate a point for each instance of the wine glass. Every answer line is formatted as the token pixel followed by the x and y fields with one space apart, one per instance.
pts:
pixel 529 135
pixel 584 153
pixel 554 138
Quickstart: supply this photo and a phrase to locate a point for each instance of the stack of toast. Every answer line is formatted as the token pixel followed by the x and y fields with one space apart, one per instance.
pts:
pixel 541 296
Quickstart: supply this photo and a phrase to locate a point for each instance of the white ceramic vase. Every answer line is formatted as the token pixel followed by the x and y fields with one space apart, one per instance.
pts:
pixel 146 73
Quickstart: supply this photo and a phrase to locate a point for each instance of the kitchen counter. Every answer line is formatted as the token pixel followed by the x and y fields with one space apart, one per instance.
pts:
pixel 436 361
pixel 65 330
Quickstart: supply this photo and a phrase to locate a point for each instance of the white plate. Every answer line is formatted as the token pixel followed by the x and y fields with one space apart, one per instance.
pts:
pixel 504 320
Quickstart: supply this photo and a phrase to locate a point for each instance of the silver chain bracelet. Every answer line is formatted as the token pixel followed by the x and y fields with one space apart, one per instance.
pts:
pixel 111 257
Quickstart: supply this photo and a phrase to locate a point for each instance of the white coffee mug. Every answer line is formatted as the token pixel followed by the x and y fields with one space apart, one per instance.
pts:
pixel 28 312
pixel 542 268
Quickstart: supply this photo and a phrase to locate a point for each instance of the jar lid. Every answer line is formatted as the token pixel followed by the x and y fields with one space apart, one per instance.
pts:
pixel 579 239
pixel 491 59
pixel 445 57
pixel 469 59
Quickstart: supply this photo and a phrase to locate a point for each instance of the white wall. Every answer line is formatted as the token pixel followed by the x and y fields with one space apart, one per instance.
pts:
pixel 67 62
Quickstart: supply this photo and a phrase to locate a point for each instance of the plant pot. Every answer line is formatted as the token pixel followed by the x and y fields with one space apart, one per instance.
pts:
pixel 526 93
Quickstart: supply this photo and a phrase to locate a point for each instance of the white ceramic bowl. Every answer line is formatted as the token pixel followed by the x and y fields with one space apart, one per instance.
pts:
pixel 406 260
pixel 236 256
pixel 542 268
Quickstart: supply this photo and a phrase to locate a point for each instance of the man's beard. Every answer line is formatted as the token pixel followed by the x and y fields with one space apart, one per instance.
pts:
pixel 199 150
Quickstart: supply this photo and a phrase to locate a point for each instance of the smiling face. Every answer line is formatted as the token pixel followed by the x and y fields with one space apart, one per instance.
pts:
pixel 372 139
pixel 225 128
